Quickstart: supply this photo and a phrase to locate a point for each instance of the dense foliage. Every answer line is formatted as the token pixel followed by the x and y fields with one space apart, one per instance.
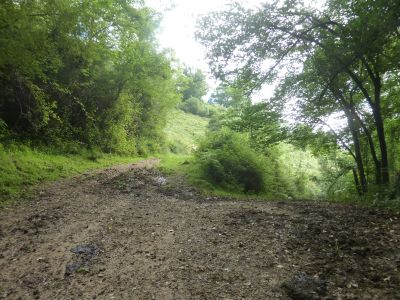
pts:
pixel 83 72
pixel 341 62
pixel 230 161
pixel 192 85
pixel 227 161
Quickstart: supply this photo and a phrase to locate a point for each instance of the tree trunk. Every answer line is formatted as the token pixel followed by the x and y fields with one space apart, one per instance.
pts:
pixel 380 130
pixel 357 149
pixel 359 162
pixel 357 182
pixel 377 114
pixel 377 163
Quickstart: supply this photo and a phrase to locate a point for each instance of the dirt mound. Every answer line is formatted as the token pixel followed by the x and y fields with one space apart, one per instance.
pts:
pixel 131 233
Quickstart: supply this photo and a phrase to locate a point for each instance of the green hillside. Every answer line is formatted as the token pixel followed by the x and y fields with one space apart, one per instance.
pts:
pixel 183 130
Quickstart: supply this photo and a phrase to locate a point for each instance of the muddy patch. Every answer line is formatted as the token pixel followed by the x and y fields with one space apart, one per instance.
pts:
pixel 305 287
pixel 83 256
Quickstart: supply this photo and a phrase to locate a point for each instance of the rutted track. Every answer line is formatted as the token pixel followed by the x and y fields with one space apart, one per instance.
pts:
pixel 126 233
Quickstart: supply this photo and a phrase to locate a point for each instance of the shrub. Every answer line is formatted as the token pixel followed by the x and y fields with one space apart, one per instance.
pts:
pixel 176 147
pixel 225 160
pixel 195 106
pixel 94 154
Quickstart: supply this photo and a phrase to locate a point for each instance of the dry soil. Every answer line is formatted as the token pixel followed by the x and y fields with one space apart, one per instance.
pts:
pixel 128 232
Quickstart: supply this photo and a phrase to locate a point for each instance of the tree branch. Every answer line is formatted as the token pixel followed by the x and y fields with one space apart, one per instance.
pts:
pixel 338 138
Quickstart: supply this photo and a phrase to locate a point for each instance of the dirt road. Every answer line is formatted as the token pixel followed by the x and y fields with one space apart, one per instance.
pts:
pixel 129 233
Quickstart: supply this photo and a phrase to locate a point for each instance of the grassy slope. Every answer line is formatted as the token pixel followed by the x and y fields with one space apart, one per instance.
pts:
pixel 183 130
pixel 22 168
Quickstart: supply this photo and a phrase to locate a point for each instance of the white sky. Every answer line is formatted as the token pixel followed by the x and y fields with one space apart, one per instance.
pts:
pixel 178 29
pixel 178 26
pixel 177 32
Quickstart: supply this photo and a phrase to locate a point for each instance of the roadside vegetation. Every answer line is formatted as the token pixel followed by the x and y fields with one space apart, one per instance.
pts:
pixel 85 85
pixel 22 168
pixel 336 63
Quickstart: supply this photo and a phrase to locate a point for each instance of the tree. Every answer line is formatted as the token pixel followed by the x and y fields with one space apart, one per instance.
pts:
pixel 84 71
pixel 248 46
pixel 227 96
pixel 193 84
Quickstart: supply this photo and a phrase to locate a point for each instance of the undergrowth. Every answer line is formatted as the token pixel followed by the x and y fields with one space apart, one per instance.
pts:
pixel 184 165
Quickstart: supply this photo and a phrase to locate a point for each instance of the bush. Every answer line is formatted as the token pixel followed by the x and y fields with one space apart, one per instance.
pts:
pixel 195 106
pixel 176 147
pixel 225 160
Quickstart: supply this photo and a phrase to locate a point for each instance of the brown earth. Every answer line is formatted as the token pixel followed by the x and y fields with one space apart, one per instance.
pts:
pixel 129 233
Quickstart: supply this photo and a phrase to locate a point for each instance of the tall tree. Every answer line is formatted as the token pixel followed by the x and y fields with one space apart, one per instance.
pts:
pixel 228 96
pixel 86 71
pixel 249 46
pixel 194 84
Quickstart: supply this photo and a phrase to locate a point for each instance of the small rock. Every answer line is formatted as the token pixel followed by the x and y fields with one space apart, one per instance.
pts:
pixel 161 180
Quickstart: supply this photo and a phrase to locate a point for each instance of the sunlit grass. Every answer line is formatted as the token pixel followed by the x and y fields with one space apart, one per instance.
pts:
pixel 22 168
pixel 183 131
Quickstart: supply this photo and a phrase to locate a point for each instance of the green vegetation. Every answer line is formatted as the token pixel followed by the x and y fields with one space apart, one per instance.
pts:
pixel 183 131
pixel 86 72
pixel 22 168
pixel 88 77
pixel 337 62
pixel 83 85
pixel 226 161
pixel 193 87
pixel 180 164
pixel 224 164
pixel 197 107
pixel 192 84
